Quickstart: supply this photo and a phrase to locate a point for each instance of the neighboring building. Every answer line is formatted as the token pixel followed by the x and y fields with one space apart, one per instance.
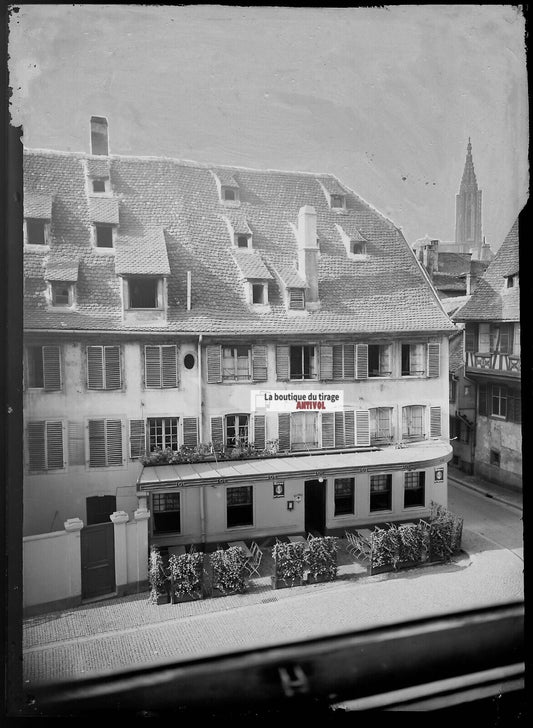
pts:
pixel 160 294
pixel 452 274
pixel 492 347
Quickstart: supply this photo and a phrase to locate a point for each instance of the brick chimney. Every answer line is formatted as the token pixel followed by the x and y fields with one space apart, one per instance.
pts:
pixel 308 254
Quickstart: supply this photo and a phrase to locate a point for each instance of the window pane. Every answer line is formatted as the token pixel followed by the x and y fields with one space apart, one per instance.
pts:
pixel 104 236
pixel 344 496
pixel 60 294
pixel 380 492
pixel 35 366
pixel 35 231
pixel 239 506
pixel 414 487
pixel 143 294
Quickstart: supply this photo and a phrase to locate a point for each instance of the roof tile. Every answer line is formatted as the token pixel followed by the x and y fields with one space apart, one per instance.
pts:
pixel 251 265
pixel 37 205
pixel 143 254
pixel 104 209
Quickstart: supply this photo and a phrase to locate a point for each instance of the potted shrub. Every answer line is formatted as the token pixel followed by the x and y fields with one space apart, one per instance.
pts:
pixel 288 564
pixel 228 571
pixel 158 578
pixel 320 559
pixel 186 577
pixel 385 549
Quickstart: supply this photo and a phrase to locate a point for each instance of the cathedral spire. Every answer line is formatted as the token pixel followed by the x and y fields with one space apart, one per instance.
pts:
pixel 468 233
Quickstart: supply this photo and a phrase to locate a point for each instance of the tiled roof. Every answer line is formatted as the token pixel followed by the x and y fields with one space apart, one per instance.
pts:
pixel 445 282
pixel 387 294
pixel 455 264
pixel 143 254
pixel 103 209
pixel 37 205
pixel 61 268
pixel 332 185
pixel 456 359
pixel 453 303
pixel 290 277
pixel 492 301
pixel 98 167
pixel 251 265
pixel 238 222
pixel 349 229
pixel 226 177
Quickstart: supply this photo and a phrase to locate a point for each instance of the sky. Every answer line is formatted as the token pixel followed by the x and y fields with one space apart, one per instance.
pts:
pixel 385 98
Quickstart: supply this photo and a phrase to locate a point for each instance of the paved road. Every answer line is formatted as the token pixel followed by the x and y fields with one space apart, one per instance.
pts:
pixel 497 522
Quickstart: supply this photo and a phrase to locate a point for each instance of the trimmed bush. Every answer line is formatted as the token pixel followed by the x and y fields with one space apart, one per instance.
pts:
pixel 157 577
pixel 186 575
pixel 229 570
pixel 320 557
pixel 288 561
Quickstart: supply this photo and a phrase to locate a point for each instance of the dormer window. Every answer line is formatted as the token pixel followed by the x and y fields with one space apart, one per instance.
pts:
pixel 243 241
pixel 357 247
pixel 511 281
pixel 61 294
pixel 297 298
pixel 37 231
pixel 104 235
pixel 229 194
pixel 259 293
pixel 144 293
pixel 100 185
pixel 337 201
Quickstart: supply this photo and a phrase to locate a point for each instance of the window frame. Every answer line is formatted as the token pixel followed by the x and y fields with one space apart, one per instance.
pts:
pixel 100 226
pixel 337 196
pixel 382 374
pixel 156 511
pixel 52 294
pixel 102 179
pixel 420 488
pixel 264 293
pixel 159 293
pixel 175 383
pixel 169 433
pixel 104 367
pixel 46 447
pixel 338 508
pixel 248 505
pixel 388 491
pixel 28 367
pixel 374 419
pixel 237 425
pixel 415 437
pixel 302 446
pixel 235 359
pixel 501 398
pixel 414 373
pixel 312 362
pixel 45 222
pixel 107 464
pixel 293 304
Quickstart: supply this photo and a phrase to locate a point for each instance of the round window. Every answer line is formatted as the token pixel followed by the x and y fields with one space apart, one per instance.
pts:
pixel 188 361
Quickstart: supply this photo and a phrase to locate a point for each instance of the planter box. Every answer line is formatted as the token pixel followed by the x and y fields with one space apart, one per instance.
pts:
pixel 219 593
pixel 163 599
pixel 194 597
pixel 285 584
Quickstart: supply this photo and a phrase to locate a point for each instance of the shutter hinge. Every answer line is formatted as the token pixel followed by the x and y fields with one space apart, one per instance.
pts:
pixel 293 680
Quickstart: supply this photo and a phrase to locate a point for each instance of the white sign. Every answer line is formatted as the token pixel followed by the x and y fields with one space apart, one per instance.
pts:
pixel 286 400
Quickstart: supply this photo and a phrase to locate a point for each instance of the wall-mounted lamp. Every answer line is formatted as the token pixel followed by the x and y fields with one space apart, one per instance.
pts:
pixel 320 478
pixel 290 505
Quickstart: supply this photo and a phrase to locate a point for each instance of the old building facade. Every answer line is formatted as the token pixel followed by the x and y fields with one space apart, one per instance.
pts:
pixel 161 296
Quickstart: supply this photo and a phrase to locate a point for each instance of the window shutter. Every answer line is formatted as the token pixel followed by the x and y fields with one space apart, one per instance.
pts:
pixel 95 369
pixel 217 433
pixel 137 439
pixel 282 363
pixel 326 362
pixel 434 422
pixel 112 367
pixel 76 444
pixel 51 368
pixel 114 442
pixel 259 432
pixel 349 428
pixel 361 361
pixel 36 445
pixel 54 445
pixel 362 421
pixel 328 431
pixel 349 361
pixel 483 396
pixel 214 364
pixel 169 366
pixel 339 429
pixel 97 457
pixel 259 363
pixel 433 360
pixel 284 431
pixel 471 337
pixel 190 431
pixel 152 367
pixel 337 362
pixel 484 338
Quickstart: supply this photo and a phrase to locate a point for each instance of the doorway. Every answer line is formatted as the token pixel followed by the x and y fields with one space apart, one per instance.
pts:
pixel 97 560
pixel 315 506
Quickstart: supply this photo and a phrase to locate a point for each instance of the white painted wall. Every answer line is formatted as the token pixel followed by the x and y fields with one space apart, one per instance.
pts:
pixel 51 567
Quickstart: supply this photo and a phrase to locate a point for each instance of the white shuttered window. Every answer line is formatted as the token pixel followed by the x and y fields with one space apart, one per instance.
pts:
pixel 160 366
pixel 103 367
pixel 45 445
pixel 105 443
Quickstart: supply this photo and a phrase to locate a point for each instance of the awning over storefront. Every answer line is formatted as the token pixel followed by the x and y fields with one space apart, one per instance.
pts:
pixel 410 457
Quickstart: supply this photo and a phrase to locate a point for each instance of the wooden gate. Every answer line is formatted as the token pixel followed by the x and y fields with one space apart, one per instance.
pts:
pixel 97 560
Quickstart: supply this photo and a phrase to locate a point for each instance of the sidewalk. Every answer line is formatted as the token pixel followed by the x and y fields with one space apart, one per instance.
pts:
pixel 509 496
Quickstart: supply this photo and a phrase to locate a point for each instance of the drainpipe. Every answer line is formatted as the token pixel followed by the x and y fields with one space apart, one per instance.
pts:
pixel 200 431
pixel 189 287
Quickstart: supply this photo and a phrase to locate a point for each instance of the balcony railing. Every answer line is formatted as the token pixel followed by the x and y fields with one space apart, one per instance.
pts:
pixel 508 364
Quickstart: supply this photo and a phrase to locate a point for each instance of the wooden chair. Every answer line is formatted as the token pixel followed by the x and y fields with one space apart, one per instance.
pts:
pixel 252 565
pixel 357 546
